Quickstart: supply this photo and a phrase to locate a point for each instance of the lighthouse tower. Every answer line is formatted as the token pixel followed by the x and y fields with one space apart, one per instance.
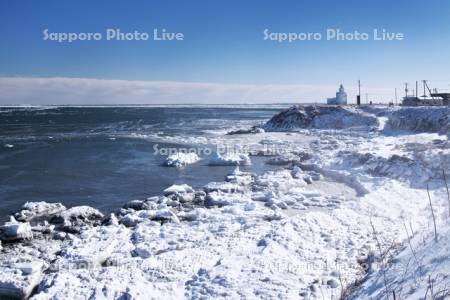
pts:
pixel 341 97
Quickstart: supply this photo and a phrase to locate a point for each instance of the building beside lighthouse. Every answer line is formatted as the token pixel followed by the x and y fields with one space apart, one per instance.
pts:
pixel 340 99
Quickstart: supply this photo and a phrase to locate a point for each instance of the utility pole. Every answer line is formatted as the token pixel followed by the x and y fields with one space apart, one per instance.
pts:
pixel 395 96
pixel 406 89
pixel 424 91
pixel 358 98
pixel 417 89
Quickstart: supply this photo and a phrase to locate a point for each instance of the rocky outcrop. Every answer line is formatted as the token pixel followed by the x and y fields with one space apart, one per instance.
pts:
pixel 320 117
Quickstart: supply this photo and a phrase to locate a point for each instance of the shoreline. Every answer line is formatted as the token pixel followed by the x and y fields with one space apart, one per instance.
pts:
pixel 283 232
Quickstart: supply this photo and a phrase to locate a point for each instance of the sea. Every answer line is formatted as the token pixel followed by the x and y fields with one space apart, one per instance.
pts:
pixel 105 156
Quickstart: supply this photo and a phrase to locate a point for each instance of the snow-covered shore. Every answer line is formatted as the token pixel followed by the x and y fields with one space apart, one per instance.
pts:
pixel 346 197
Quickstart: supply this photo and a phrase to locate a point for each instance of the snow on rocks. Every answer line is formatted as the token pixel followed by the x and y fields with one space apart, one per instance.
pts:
pixel 108 283
pixel 178 189
pixel 230 159
pixel 417 167
pixel 239 177
pixel 278 181
pixel 227 187
pixel 162 215
pixel 252 130
pixel 74 219
pixel 96 246
pixel 182 192
pixel 139 205
pixel 223 199
pixel 181 159
pixel 17 281
pixel 290 232
pixel 15 231
pixel 32 210
pixel 322 117
pixel 421 119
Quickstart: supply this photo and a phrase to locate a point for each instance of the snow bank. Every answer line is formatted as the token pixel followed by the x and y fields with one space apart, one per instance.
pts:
pixel 230 159
pixel 421 119
pixel 181 159
pixel 321 117
pixel 419 271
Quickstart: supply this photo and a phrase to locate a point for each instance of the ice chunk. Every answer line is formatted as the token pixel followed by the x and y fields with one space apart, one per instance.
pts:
pixel 230 159
pixel 15 231
pixel 95 246
pixel 182 193
pixel 138 205
pixel 162 215
pixel 31 210
pixel 227 187
pixel 181 159
pixel 73 219
pixel 17 281
pixel 223 199
pixel 178 189
pixel 239 177
pixel 165 215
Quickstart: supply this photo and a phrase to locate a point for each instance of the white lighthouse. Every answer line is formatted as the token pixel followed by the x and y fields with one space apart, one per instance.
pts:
pixel 341 97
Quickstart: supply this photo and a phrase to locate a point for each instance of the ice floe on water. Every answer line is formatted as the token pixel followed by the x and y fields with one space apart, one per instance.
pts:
pixel 181 159
pixel 342 213
pixel 230 159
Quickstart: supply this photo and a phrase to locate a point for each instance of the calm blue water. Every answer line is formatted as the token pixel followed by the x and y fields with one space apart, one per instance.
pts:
pixel 104 156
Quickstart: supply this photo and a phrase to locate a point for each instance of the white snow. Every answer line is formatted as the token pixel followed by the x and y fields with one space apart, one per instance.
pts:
pixel 178 189
pixel 32 210
pixel 73 219
pixel 229 159
pixel 13 231
pixel 181 159
pixel 17 281
pixel 303 230
pixel 420 119
pixel 419 271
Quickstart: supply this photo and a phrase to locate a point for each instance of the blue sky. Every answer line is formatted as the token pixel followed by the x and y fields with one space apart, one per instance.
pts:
pixel 224 42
